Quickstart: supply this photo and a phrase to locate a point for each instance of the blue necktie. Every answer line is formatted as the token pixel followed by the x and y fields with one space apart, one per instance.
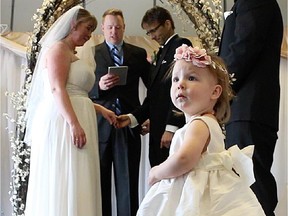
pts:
pixel 117 107
pixel 116 56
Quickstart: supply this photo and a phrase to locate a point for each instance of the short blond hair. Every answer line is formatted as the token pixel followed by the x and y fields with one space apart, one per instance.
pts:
pixel 113 12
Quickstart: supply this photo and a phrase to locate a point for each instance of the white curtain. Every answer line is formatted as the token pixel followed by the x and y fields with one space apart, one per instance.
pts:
pixel 12 57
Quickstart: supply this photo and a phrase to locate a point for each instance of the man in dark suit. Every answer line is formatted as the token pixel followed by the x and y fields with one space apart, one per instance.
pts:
pixel 250 46
pixel 158 106
pixel 120 147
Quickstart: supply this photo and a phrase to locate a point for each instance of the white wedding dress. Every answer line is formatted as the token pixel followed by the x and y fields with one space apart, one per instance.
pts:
pixel 65 180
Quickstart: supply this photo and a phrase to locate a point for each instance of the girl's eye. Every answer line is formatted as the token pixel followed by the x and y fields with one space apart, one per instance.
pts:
pixel 175 79
pixel 191 78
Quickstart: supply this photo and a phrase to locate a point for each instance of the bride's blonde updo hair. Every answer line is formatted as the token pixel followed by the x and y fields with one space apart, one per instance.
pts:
pixel 85 16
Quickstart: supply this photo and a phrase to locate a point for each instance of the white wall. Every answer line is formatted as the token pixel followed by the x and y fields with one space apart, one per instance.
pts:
pixel 133 11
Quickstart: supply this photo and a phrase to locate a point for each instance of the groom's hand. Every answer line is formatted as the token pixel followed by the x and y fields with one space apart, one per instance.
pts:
pixel 122 121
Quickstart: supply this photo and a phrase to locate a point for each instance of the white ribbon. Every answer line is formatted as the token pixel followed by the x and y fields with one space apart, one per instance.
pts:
pixel 242 162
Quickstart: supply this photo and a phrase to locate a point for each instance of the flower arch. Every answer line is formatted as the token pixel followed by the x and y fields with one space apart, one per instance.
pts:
pixel 204 18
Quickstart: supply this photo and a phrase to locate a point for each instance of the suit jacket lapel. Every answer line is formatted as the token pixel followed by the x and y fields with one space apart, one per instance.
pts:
pixel 106 54
pixel 126 54
pixel 162 59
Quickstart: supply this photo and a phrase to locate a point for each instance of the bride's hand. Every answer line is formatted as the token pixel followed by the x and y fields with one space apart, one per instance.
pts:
pixel 78 135
pixel 106 113
pixel 122 121
pixel 109 115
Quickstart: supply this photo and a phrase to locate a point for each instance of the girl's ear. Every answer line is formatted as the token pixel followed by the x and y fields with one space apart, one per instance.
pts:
pixel 216 92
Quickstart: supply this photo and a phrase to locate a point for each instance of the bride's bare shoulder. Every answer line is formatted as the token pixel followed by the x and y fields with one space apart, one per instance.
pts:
pixel 59 49
pixel 59 46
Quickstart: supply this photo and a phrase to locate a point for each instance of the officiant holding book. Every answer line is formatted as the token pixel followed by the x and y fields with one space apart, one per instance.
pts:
pixel 120 148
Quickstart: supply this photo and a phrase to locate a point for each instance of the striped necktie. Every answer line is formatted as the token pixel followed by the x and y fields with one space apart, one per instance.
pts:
pixel 116 56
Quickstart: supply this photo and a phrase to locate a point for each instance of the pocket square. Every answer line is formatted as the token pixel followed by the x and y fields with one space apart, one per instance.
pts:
pixel 227 13
pixel 163 62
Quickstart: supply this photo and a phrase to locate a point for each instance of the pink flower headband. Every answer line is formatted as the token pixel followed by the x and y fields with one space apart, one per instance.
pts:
pixel 197 56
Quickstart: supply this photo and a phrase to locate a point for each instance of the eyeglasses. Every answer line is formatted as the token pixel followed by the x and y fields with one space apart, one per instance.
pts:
pixel 153 30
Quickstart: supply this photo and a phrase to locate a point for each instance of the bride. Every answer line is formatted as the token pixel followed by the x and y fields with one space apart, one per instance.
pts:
pixel 61 123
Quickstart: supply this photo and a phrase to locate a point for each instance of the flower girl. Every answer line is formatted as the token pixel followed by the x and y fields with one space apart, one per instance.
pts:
pixel 200 177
